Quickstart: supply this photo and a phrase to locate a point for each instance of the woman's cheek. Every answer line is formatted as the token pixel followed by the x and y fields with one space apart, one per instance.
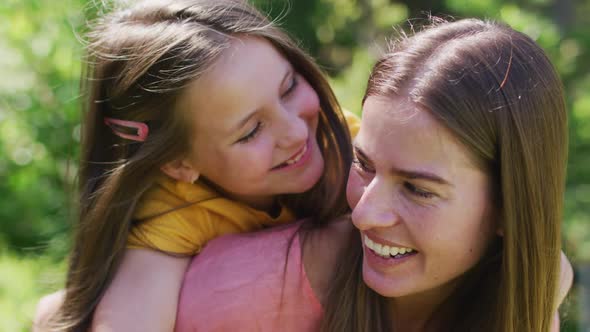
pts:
pixel 354 188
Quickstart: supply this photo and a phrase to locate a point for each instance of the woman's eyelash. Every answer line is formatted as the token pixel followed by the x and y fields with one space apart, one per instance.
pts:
pixel 362 165
pixel 418 192
pixel 251 134
pixel 292 86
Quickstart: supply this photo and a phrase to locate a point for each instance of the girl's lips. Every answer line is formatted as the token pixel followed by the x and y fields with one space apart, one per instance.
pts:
pixel 302 156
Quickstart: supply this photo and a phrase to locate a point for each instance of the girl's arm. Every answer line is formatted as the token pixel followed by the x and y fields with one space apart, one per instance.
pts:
pixel 143 295
pixel 46 309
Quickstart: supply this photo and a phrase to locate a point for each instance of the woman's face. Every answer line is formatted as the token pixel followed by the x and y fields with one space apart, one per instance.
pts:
pixel 422 208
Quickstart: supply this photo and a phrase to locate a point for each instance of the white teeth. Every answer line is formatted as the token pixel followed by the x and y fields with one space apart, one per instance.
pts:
pixel 297 157
pixel 394 251
pixel 385 250
pixel 377 247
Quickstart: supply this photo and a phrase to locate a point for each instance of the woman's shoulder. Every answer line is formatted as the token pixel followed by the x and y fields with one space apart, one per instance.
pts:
pixel 239 258
pixel 235 244
pixel 322 247
pixel 248 280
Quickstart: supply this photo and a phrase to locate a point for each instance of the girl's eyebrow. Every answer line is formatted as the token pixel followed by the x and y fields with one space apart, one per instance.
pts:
pixel 419 175
pixel 288 73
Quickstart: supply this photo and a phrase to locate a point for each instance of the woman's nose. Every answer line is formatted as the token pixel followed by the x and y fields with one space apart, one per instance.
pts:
pixel 377 206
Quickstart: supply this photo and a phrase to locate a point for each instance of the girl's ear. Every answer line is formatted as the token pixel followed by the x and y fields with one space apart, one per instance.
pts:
pixel 180 170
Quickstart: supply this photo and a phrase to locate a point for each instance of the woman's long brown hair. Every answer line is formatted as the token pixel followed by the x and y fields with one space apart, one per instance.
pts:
pixel 139 59
pixel 496 91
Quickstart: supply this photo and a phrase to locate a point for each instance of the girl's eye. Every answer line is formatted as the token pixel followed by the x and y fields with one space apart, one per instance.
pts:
pixel 252 134
pixel 292 86
pixel 361 165
pixel 418 192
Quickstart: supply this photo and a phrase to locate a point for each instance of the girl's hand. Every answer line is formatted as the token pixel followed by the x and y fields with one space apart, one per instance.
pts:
pixel 47 308
pixel 566 279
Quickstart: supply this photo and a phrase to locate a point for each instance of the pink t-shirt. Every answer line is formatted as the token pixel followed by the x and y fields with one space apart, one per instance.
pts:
pixel 249 282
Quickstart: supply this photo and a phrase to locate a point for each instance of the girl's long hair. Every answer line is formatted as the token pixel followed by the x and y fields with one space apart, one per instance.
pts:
pixel 139 59
pixel 496 91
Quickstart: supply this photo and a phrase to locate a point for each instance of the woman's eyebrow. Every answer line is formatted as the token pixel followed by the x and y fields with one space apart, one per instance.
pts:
pixel 410 174
pixel 422 175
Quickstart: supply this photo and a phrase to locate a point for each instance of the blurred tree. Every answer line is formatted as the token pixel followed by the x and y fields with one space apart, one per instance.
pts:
pixel 38 118
pixel 40 58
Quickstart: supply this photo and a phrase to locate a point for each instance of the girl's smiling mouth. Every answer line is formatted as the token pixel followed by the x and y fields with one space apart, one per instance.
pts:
pixel 297 159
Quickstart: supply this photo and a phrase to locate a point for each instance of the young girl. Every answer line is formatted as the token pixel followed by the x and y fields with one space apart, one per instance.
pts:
pixel 202 119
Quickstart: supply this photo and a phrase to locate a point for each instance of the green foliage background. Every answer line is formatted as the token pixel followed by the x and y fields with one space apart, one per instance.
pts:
pixel 40 61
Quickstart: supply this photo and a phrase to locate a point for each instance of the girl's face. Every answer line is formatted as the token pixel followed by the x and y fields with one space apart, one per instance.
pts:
pixel 422 208
pixel 255 122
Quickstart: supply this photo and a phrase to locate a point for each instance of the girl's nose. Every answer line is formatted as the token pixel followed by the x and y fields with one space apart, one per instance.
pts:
pixel 292 129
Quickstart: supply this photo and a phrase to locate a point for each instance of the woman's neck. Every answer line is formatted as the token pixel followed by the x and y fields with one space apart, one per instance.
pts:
pixel 418 312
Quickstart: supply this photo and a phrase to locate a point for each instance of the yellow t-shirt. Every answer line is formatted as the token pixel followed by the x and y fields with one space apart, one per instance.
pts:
pixel 180 218
pixel 353 122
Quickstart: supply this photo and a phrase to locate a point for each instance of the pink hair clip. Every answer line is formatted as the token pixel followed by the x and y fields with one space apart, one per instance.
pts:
pixel 142 128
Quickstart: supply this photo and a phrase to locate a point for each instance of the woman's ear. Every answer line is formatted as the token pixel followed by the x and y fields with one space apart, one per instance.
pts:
pixel 180 170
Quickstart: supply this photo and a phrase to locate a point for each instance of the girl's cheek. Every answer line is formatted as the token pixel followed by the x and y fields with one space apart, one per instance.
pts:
pixel 308 100
pixel 354 188
pixel 264 152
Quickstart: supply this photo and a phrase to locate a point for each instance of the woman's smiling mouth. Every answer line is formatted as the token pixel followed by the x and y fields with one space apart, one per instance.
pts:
pixel 386 251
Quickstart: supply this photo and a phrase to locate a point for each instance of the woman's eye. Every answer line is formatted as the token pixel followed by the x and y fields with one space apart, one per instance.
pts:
pixel 252 134
pixel 292 86
pixel 418 192
pixel 361 165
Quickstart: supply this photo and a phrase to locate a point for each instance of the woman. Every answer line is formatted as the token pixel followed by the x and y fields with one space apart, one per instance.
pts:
pixel 456 193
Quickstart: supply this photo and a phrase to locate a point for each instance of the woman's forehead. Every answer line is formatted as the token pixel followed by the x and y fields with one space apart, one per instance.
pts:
pixel 395 131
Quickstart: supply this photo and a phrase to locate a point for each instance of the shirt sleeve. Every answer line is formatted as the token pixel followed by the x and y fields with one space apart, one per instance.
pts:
pixel 182 231
pixel 353 121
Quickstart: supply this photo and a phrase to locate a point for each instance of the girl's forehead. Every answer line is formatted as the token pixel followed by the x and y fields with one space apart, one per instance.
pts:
pixel 246 77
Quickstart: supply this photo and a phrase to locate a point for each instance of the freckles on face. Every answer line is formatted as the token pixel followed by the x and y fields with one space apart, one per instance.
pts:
pixel 413 185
